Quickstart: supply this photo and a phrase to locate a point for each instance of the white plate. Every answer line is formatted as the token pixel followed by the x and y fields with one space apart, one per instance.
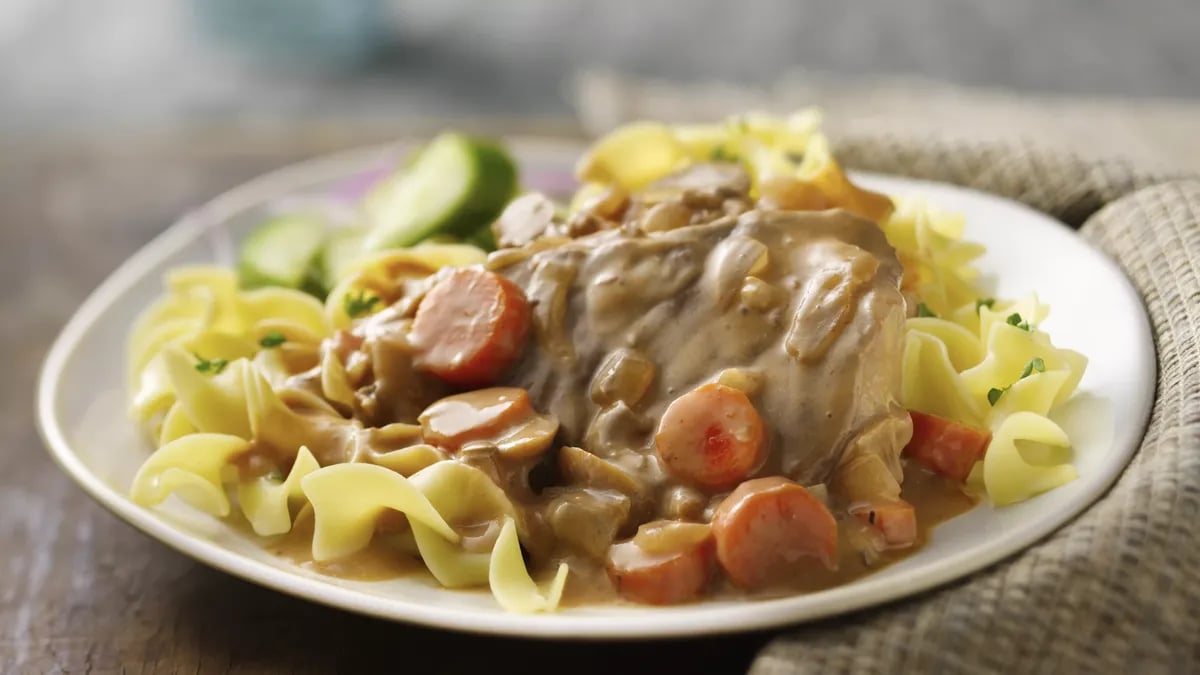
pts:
pixel 1093 309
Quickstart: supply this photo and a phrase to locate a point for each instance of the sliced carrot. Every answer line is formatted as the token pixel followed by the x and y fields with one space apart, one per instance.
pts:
pixel 472 416
pixel 667 578
pixel 470 327
pixel 945 446
pixel 895 520
pixel 711 437
pixel 770 529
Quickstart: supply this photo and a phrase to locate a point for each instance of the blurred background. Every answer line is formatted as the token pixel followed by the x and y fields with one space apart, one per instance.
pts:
pixel 132 64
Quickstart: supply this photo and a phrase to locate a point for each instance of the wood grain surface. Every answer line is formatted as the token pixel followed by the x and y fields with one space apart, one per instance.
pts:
pixel 81 591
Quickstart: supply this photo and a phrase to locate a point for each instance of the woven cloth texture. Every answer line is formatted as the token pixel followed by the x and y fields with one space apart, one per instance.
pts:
pixel 1117 590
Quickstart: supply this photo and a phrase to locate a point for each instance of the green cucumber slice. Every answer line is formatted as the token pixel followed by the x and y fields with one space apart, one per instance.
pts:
pixel 281 252
pixel 454 186
pixel 484 238
pixel 343 247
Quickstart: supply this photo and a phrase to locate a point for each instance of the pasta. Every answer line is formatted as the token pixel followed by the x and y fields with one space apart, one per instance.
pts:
pixel 210 390
pixel 379 280
pixel 981 362
pixel 1010 475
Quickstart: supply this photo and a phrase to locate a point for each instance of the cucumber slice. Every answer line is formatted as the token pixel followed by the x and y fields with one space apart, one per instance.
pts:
pixel 455 186
pixel 343 247
pixel 484 238
pixel 281 252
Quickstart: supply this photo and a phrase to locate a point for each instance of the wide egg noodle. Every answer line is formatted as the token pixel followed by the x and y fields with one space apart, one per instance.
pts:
pixel 276 426
pixel 928 240
pixel 464 496
pixel 205 315
pixel 963 347
pixel 335 385
pixel 447 562
pixel 509 579
pixel 1036 394
pixel 193 468
pixel 153 392
pixel 220 284
pixel 1075 364
pixel 275 304
pixel 213 403
pixel 930 384
pixel 1029 308
pixel 146 342
pixel 1009 476
pixel 1010 350
pixel 347 500
pixel 405 461
pixel 384 270
pixel 175 425
pixel 266 501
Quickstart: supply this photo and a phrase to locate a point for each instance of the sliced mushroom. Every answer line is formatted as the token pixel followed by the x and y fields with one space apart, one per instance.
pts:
pixel 581 467
pixel 587 519
pixel 525 219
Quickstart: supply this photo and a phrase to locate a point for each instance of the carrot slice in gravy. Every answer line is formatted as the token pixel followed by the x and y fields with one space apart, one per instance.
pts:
pixel 945 446
pixel 895 520
pixel 470 327
pixel 711 437
pixel 666 578
pixel 475 415
pixel 768 529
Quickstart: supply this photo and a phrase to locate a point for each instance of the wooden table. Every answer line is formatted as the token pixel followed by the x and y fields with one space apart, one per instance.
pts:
pixel 81 591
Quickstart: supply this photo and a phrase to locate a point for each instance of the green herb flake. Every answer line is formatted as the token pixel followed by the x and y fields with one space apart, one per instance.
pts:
pixel 358 304
pixel 722 154
pixel 995 394
pixel 924 311
pixel 210 366
pixel 1015 319
pixel 272 339
pixel 1035 364
pixel 984 302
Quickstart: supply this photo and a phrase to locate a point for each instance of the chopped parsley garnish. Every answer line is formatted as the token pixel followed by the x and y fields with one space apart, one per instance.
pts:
pixel 1036 364
pixel 924 311
pixel 272 339
pixel 984 302
pixel 360 303
pixel 722 154
pixel 1015 319
pixel 210 366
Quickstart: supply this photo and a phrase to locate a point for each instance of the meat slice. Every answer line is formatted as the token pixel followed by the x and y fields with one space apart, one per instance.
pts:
pixel 824 351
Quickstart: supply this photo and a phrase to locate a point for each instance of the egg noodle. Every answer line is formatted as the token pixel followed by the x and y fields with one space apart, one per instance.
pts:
pixel 207 364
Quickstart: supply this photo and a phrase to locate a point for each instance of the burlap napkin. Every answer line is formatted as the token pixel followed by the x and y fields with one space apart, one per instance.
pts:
pixel 1118 589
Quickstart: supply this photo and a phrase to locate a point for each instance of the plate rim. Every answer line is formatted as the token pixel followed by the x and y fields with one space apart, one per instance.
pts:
pixel 651 623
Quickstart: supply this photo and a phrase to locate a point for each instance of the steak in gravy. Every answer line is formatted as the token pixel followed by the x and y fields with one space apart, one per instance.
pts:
pixel 801 310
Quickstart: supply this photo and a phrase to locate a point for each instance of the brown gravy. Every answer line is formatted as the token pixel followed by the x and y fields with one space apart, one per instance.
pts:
pixel 379 561
pixel 935 498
